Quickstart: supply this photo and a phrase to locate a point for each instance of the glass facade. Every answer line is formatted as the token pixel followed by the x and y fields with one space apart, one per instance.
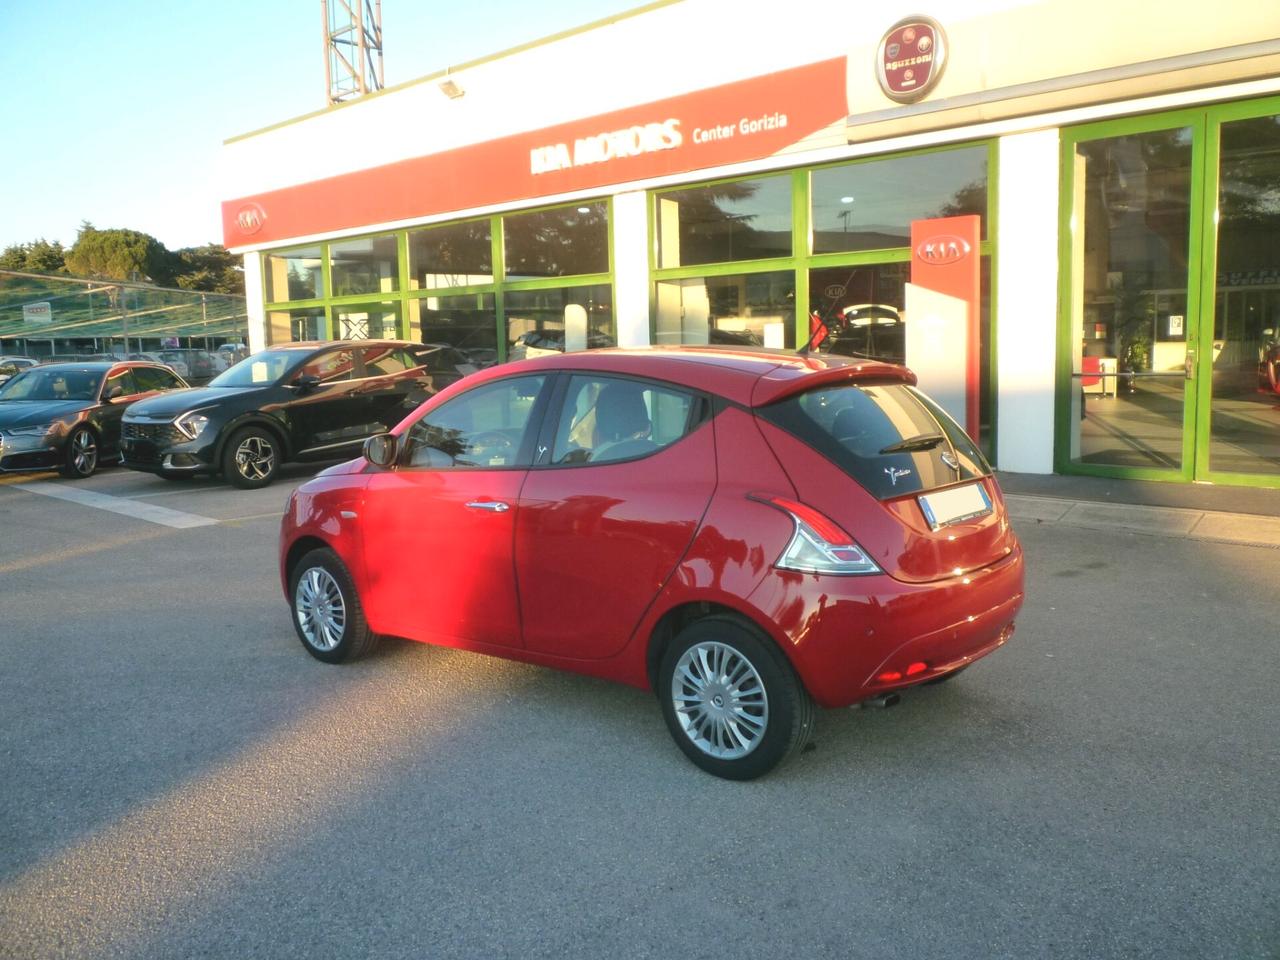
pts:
pixel 559 242
pixel 451 255
pixel 745 309
pixel 556 319
pixel 1168 351
pixel 732 259
pixel 870 205
pixel 369 265
pixel 1244 425
pixel 294 274
pixel 726 222
pixel 488 287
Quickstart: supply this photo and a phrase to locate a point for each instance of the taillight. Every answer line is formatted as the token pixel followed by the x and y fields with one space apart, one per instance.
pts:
pixel 819 545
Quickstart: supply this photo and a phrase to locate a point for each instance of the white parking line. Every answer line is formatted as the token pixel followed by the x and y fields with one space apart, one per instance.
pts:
pixel 129 508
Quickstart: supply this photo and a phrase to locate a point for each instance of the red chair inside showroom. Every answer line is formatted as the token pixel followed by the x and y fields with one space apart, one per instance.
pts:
pixel 1090 365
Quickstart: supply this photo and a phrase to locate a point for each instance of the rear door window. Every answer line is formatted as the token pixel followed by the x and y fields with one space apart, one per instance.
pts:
pixel 153 378
pixel 889 437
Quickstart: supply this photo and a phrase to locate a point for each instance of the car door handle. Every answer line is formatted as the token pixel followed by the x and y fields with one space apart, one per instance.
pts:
pixel 497 506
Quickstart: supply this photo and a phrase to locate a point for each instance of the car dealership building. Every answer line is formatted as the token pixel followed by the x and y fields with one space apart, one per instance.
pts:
pixel 1064 214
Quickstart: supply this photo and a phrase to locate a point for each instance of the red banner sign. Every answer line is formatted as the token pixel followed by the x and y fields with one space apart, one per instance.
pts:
pixel 747 120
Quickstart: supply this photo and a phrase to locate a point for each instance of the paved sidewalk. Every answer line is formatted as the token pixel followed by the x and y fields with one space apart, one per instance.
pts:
pixel 1197 512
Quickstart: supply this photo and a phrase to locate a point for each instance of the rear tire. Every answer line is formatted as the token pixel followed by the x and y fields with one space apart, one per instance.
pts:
pixel 327 614
pixel 731 700
pixel 251 458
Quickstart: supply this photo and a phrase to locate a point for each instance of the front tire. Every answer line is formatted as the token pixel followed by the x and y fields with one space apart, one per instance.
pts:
pixel 80 456
pixel 251 459
pixel 731 700
pixel 327 614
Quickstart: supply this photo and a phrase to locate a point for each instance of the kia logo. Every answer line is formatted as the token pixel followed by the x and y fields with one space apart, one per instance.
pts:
pixel 251 218
pixel 943 250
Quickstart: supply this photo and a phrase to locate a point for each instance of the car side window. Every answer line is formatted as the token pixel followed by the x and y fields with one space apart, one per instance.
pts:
pixel 482 429
pixel 153 378
pixel 122 378
pixel 331 367
pixel 607 418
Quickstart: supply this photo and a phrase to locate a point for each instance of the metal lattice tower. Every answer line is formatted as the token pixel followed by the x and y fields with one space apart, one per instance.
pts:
pixel 353 48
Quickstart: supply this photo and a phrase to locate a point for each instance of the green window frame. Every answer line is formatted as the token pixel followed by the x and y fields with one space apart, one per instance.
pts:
pixel 405 297
pixel 803 259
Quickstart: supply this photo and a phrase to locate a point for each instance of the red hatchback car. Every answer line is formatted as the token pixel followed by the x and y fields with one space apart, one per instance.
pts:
pixel 745 533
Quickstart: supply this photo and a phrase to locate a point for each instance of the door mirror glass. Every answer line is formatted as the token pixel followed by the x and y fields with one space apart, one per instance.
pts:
pixel 113 391
pixel 381 450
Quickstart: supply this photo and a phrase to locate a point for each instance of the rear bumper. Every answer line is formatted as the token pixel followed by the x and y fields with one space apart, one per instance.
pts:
pixel 843 635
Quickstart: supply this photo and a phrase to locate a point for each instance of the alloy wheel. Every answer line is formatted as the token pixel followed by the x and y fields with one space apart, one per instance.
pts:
pixel 84 453
pixel 255 458
pixel 320 609
pixel 720 700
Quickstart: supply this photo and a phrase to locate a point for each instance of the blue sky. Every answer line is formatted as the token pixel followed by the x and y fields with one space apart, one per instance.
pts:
pixel 114 112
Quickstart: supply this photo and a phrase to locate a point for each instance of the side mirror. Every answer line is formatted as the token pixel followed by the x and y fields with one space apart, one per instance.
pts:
pixel 306 383
pixel 112 393
pixel 382 450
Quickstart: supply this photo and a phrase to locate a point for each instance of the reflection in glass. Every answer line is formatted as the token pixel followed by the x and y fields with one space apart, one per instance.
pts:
pixel 859 311
pixel 453 255
pixel 749 309
pixel 542 322
pixel 562 242
pixel 370 265
pixel 1129 299
pixel 864 308
pixel 294 274
pixel 725 222
pixel 1245 415
pixel 306 323
pixel 368 321
pixel 870 205
pixel 468 322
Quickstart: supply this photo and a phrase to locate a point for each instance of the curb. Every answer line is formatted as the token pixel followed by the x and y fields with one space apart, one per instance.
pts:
pixel 1241 528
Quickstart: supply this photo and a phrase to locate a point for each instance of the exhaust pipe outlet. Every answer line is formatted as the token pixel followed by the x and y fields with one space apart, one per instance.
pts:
pixel 884 701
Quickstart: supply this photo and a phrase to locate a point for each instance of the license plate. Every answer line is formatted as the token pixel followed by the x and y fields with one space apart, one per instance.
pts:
pixel 944 507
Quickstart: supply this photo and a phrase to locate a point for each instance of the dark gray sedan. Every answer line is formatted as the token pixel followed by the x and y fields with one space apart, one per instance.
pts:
pixel 67 415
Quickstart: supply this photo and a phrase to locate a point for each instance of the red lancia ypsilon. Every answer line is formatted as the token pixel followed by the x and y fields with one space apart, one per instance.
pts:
pixel 744 533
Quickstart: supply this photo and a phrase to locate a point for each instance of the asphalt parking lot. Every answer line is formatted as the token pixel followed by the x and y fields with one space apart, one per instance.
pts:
pixel 180 779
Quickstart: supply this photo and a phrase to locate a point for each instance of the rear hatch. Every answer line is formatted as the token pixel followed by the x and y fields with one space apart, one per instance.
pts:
pixel 895 471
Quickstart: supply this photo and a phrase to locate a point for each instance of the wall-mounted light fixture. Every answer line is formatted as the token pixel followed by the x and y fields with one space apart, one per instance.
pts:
pixel 451 89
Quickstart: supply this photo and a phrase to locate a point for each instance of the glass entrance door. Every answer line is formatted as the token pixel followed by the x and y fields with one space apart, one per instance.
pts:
pixel 1132 316
pixel 1169 355
pixel 1242 388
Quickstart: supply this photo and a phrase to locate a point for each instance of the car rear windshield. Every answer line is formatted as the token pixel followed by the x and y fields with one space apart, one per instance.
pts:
pixel 889 437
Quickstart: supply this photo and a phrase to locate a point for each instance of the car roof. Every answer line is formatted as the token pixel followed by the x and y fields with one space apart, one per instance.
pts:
pixel 318 344
pixel 751 377
pixel 100 365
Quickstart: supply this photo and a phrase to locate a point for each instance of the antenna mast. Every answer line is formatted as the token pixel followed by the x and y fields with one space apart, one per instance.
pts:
pixel 352 48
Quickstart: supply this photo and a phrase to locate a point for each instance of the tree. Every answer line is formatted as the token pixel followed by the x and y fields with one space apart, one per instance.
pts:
pixel 117 254
pixel 40 256
pixel 210 268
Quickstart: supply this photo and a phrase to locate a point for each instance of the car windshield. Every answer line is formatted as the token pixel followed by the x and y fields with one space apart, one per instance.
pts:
pixel 53 384
pixel 270 366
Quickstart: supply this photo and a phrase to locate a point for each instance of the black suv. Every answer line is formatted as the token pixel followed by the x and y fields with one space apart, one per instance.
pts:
pixel 298 401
